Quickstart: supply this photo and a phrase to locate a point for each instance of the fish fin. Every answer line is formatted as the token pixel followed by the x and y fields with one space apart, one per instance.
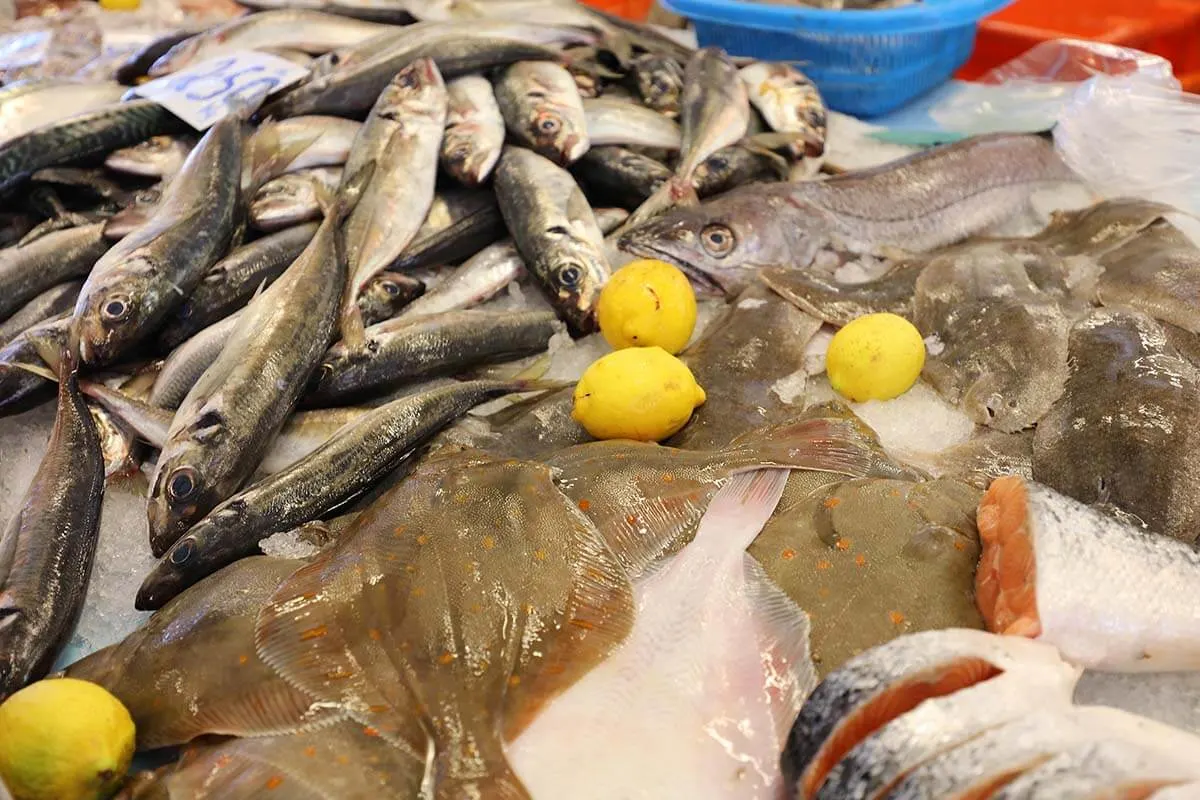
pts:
pixel 757 145
pixel 783 636
pixel 353 327
pixel 676 191
pixel 349 192
pixel 299 635
pixel 266 709
pixel 824 444
pixel 495 786
pixel 269 158
pixel 148 422
pixel 539 367
pixel 738 510
pixel 40 371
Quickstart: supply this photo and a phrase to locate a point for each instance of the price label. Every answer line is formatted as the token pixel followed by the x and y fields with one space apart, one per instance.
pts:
pixel 237 82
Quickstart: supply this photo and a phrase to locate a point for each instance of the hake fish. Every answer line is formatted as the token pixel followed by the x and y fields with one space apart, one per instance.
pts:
pixel 46 550
pixel 543 111
pixel 1108 594
pixel 474 130
pixel 138 282
pixel 1121 435
pixel 242 400
pixel 352 459
pixel 1157 272
pixel 404 132
pixel 28 270
pixel 928 200
pixel 556 233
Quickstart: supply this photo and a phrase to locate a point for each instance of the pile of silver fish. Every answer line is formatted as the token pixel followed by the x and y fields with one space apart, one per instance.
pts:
pixel 282 323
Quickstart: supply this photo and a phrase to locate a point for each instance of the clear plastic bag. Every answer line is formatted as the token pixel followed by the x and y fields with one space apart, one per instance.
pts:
pixel 1127 136
pixel 1029 92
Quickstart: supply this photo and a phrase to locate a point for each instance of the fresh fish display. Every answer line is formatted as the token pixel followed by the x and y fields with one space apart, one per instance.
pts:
pixel 28 270
pixel 620 176
pixel 928 200
pixel 1108 594
pixel 292 199
pixel 157 157
pixel 1158 273
pixel 401 138
pixel 659 82
pixel 789 102
pixel 51 303
pixel 46 549
pixel 137 283
pixel 351 460
pixel 474 130
pixel 31 104
pixel 543 110
pixel 403 350
pixel 460 223
pixel 621 122
pixel 1120 435
pixel 556 233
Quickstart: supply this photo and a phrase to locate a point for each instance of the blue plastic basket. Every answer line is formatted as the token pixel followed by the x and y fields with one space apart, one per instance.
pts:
pixel 864 62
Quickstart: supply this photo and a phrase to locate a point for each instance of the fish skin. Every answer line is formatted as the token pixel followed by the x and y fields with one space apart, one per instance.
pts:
pixel 855 552
pixel 20 389
pixel 157 157
pixel 624 177
pixel 933 199
pixel 731 167
pixel 46 550
pixel 713 729
pixel 840 303
pixel 186 363
pixel 537 563
pixel 1089 770
pixel 291 199
pixel 998 309
pixel 987 456
pixel 397 351
pixel 611 121
pixel 315 141
pixel 242 400
pixel 1121 433
pixel 1157 273
pixel 543 110
pixel 814 752
pixel 1100 228
pixel 556 233
pixel 352 87
pixel 28 270
pixel 231 691
pixel 298 29
pixel 1106 593
pixel 91 133
pixel 474 130
pixel 233 280
pixel 532 429
pixel 789 102
pixel 51 303
pixel 28 105
pixel 406 125
pixel 138 64
pixel 659 82
pixel 739 360
pixel 347 463
pixel 136 284
pixel 135 214
pixel 460 223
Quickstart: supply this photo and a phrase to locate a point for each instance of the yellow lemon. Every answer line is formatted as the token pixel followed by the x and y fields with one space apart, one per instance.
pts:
pixel 647 303
pixel 642 393
pixel 64 739
pixel 875 357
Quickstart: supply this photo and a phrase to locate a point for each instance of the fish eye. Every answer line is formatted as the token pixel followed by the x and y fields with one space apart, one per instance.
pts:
pixel 181 483
pixel 718 240
pixel 391 288
pixel 182 552
pixel 325 373
pixel 549 124
pixel 116 308
pixel 569 275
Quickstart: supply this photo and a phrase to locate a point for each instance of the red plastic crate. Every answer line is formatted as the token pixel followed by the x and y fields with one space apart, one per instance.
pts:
pixel 629 9
pixel 1169 28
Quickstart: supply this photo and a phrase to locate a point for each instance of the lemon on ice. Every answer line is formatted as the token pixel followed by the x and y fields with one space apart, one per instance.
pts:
pixel 647 303
pixel 875 357
pixel 642 393
pixel 64 739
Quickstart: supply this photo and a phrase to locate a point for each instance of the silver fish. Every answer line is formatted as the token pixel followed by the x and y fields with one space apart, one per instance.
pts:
pixel 157 157
pixel 186 363
pixel 137 283
pixel 405 130
pixel 28 270
pixel 460 223
pixel 611 121
pixel 556 233
pixel 789 102
pixel 621 176
pixel 292 199
pixel 543 110
pixel 919 203
pixel 474 130
pixel 311 141
pixel 27 105
pixel 659 82
pixel 51 303
pixel 21 389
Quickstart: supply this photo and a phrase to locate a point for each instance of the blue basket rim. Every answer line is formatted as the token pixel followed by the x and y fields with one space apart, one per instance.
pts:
pixel 927 15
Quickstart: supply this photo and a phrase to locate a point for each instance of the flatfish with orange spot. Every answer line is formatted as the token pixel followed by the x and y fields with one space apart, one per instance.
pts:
pixel 192 669
pixel 872 559
pixel 462 601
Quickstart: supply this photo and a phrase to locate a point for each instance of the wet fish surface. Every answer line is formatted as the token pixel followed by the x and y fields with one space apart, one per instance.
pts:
pixel 474 130
pixel 28 270
pixel 543 111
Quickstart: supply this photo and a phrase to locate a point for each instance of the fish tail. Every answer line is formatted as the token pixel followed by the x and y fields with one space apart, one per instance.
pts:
pixel 269 157
pixel 822 444
pixel 40 371
pixel 739 511
pixel 676 191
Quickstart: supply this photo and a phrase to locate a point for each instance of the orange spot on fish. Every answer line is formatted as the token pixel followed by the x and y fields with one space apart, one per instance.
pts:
pixel 309 595
pixel 310 751
pixel 446 658
pixel 555 669
pixel 223 761
pixel 913 505
pixel 823 564
pixel 860 560
pixel 514 680
pixel 379 709
pixel 418 592
pixel 539 555
pixel 894 492
pixel 488 543
pixel 788 554
pixel 400 529
pixel 896 617
pixel 338 674
pixel 823 593
pixel 584 504
pixel 631 519
pixel 369 731
pixel 668 477
pixel 243 659
pixel 374 634
pixel 960 545
pixel 314 633
pixel 423 539
pixel 583 623
pixel 842 544
pixel 832 502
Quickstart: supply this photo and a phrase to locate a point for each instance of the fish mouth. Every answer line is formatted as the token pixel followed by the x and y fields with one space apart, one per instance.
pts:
pixel 158 588
pixel 698 276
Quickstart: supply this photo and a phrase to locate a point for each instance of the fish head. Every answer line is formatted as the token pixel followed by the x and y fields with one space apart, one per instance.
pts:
pixel 181 492
pixel 284 201
pixel 659 82
pixel 556 135
pixel 112 313
pixel 386 294
pixel 574 282
pixel 156 157
pixel 176 58
pixel 719 244
pixel 416 91
pixel 169 577
pixel 465 161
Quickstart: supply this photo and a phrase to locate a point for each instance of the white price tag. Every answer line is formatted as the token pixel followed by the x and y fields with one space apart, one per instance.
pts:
pixel 237 82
